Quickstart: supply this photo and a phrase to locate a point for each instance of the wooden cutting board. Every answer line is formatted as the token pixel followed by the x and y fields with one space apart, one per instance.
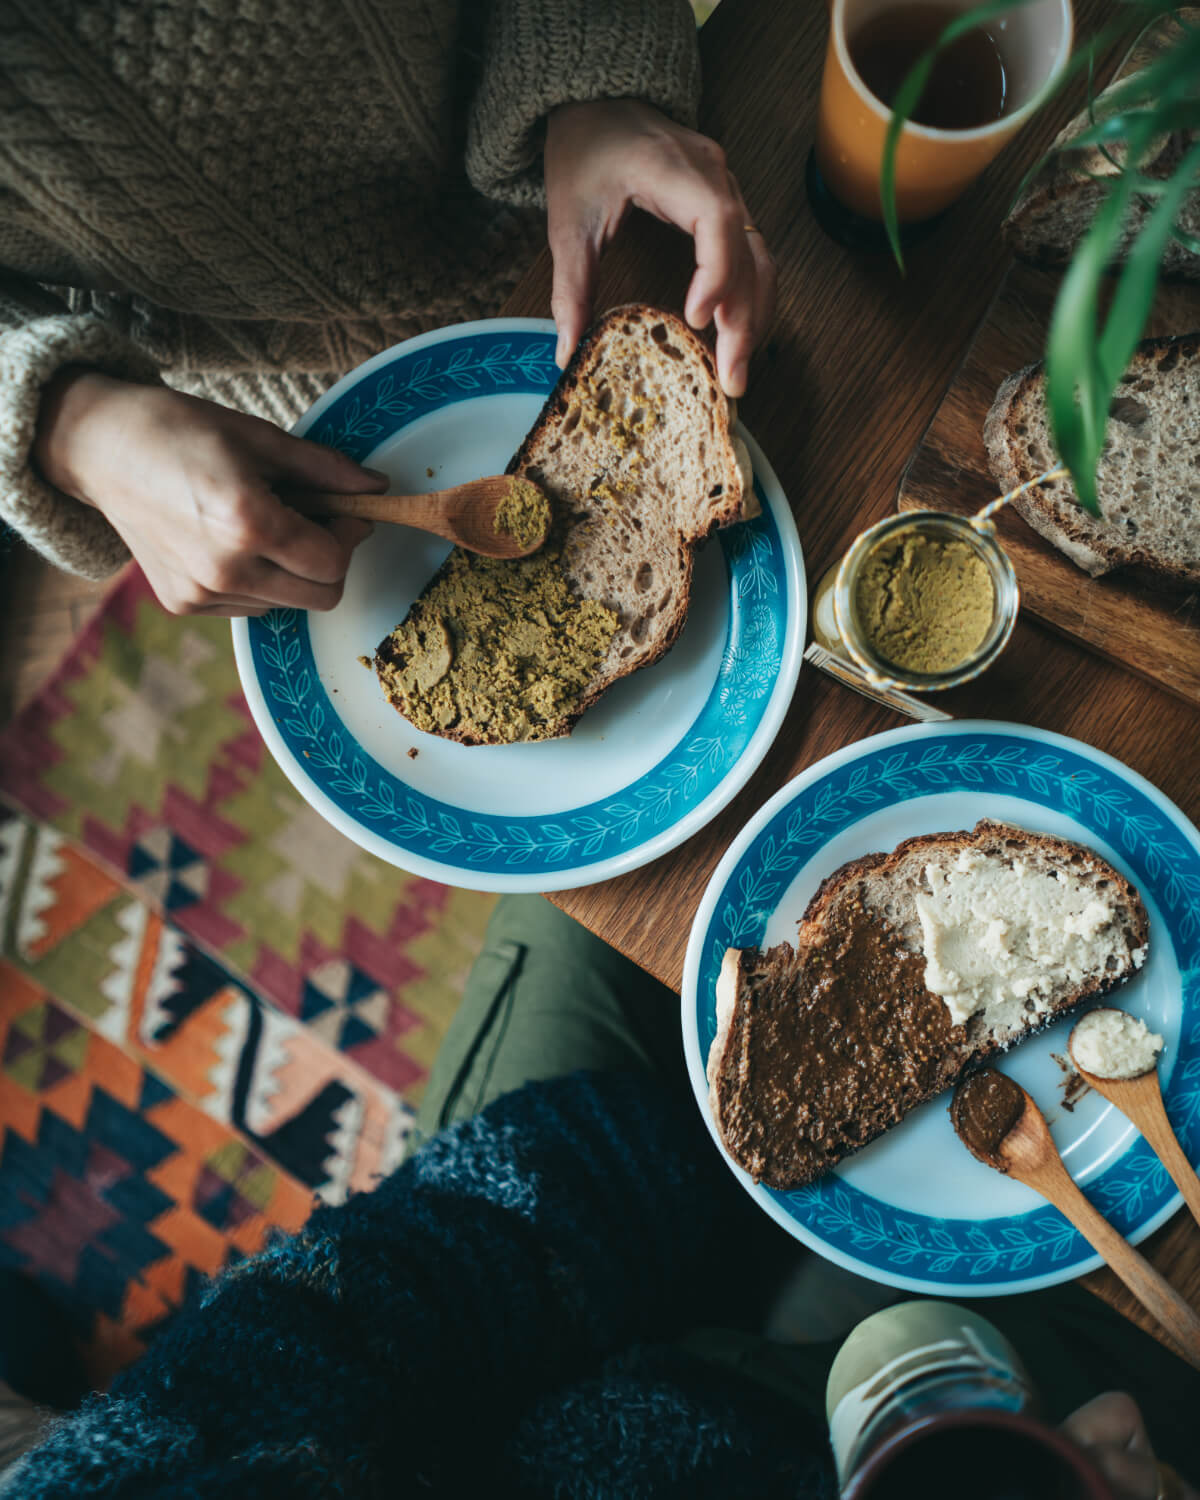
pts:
pixel 1151 628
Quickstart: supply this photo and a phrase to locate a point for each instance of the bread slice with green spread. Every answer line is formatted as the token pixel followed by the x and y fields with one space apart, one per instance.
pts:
pixel 636 452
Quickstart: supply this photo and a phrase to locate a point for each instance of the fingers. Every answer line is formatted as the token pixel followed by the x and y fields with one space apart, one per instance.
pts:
pixel 232 611
pixel 1111 1431
pixel 263 583
pixel 734 282
pixel 180 595
pixel 295 544
pixel 270 555
pixel 1114 1419
pixel 723 262
pixel 250 585
pixel 1132 1476
pixel 603 157
pixel 575 253
pixel 742 316
pixel 724 291
pixel 734 286
pixel 297 461
pixel 349 530
pixel 765 279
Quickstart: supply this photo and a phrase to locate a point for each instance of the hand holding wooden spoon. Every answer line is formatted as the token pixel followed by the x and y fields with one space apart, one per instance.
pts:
pixel 501 516
pixel 1139 1098
pixel 1001 1125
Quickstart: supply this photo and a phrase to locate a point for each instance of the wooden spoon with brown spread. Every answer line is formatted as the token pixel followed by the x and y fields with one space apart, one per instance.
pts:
pixel 1000 1124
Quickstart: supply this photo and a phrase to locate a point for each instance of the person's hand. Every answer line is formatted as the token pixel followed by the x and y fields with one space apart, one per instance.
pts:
pixel 602 158
pixel 189 485
pixel 1111 1432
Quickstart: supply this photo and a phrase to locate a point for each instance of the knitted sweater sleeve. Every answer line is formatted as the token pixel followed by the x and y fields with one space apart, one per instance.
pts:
pixel 394 1340
pixel 39 335
pixel 538 54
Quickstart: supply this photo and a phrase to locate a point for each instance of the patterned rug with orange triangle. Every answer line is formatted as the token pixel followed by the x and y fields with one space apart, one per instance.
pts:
pixel 213 1007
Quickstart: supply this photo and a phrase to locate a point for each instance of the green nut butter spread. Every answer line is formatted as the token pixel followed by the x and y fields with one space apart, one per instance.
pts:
pixel 523 514
pixel 924 603
pixel 496 651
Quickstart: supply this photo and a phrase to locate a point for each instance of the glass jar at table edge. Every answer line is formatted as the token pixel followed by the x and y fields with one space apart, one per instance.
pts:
pixel 837 627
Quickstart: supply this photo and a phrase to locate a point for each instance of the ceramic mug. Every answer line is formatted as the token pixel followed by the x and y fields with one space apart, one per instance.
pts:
pixel 927 1398
pixel 932 166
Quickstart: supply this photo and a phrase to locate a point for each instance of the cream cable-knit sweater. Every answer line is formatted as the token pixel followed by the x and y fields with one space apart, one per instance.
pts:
pixel 246 198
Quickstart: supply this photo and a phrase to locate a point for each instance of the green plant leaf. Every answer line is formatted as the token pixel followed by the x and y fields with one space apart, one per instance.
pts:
pixel 1084 365
pixel 1183 114
pixel 1077 405
pixel 1189 241
pixel 1134 296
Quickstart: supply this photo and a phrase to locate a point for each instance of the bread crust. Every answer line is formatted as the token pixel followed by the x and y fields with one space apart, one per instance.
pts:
pixel 978 1044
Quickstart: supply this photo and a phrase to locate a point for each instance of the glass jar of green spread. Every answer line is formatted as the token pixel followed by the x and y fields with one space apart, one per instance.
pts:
pixel 924 600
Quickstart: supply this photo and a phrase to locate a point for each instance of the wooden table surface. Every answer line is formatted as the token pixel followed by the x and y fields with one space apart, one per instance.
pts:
pixel 849 377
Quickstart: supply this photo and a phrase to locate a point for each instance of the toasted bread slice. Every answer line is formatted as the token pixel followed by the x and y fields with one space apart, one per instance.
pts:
pixel 635 450
pixel 1056 209
pixel 1148 479
pixel 822 1047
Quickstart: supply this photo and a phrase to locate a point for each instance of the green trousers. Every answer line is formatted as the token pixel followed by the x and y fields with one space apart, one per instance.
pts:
pixel 546 997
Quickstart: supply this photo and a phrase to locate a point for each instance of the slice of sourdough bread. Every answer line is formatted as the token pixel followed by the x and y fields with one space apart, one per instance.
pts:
pixel 635 450
pixel 1148 479
pixel 823 1046
pixel 1057 207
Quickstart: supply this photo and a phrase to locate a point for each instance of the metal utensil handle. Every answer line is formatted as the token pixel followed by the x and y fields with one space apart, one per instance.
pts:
pixel 852 676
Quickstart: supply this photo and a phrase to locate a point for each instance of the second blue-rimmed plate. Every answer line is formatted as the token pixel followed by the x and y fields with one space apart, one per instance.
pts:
pixel 914 1209
pixel 658 757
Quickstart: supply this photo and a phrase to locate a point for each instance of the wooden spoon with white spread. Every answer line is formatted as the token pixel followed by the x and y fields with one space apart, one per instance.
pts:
pixel 1115 1042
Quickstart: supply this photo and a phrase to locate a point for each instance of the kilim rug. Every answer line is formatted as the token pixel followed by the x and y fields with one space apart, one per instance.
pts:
pixel 213 1006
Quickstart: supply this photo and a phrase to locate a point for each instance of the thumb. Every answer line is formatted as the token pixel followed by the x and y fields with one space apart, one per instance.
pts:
pixel 575 256
pixel 297 461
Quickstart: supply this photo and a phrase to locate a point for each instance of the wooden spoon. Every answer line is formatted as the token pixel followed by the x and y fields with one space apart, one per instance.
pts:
pixel 1001 1125
pixel 465 513
pixel 1140 1100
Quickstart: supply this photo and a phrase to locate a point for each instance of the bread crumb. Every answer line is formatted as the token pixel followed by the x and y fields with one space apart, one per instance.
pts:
pixel 413 753
pixel 365 661
pixel 428 472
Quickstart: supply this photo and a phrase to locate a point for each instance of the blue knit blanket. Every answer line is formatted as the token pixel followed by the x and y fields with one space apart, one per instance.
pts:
pixel 495 1319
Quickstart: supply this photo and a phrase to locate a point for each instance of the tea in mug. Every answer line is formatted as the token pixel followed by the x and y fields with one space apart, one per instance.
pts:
pixel 968 85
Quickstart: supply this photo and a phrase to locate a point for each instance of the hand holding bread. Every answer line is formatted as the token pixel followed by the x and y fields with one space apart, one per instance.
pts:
pixel 635 451
pixel 606 157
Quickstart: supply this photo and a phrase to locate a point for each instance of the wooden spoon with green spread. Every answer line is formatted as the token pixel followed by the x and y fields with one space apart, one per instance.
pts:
pixel 501 516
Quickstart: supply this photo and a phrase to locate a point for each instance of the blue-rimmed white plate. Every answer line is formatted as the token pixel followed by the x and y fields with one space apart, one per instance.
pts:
pixel 643 770
pixel 914 1209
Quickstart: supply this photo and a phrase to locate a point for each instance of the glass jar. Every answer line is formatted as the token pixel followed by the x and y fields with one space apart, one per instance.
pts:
pixel 839 628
